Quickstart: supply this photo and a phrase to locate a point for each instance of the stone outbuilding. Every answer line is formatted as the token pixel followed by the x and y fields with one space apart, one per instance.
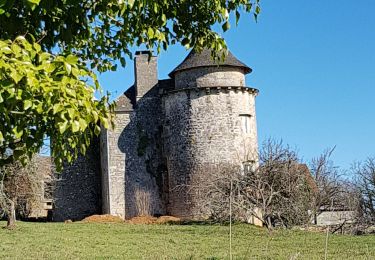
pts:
pixel 166 133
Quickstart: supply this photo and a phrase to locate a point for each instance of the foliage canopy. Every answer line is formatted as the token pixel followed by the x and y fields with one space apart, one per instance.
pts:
pixel 103 31
pixel 42 94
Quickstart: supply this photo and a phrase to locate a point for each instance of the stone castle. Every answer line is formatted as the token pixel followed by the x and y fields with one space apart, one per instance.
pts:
pixel 166 132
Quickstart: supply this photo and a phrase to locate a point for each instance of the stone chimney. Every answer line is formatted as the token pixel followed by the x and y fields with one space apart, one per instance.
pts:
pixel 146 72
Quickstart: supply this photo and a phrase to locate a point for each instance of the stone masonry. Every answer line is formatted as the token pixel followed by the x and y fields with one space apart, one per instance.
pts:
pixel 165 131
pixel 77 193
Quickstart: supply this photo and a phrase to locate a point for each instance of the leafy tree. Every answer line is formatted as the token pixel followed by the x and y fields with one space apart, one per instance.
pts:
pixel 44 94
pixel 103 31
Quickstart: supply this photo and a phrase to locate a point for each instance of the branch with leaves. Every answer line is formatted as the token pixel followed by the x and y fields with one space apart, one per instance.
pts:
pixel 46 95
pixel 102 32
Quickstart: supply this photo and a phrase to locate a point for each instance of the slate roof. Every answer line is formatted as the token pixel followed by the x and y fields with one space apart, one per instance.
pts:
pixel 203 59
pixel 127 101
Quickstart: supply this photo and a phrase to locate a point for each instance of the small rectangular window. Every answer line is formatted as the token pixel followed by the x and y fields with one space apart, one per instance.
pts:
pixel 248 167
pixel 245 123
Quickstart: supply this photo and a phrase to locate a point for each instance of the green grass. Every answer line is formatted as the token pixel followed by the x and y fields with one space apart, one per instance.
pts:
pixel 125 241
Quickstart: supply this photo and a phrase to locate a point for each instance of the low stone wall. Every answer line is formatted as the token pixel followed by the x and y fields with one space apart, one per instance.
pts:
pixel 327 218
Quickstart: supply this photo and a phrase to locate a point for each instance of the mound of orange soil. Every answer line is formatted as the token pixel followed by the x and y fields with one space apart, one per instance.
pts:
pixel 103 219
pixel 168 219
pixel 153 220
pixel 142 220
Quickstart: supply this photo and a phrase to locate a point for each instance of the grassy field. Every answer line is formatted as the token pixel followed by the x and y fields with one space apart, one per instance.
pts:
pixel 126 241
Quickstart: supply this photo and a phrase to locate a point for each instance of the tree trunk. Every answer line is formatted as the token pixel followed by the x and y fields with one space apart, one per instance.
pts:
pixel 11 223
pixel 269 223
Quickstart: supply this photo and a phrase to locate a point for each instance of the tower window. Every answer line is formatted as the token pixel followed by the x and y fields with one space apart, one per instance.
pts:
pixel 248 166
pixel 245 123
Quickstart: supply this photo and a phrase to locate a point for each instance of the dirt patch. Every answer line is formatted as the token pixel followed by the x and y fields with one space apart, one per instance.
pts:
pixel 153 220
pixel 142 220
pixel 167 219
pixel 103 219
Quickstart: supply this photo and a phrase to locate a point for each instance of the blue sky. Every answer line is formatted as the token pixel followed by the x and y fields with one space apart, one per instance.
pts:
pixel 314 65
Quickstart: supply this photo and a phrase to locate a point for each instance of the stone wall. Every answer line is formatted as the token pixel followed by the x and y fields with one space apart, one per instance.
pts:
pixel 78 192
pixel 204 127
pixel 113 167
pixel 210 77
pixel 132 165
pixel 141 140
pixel 327 218
pixel 104 164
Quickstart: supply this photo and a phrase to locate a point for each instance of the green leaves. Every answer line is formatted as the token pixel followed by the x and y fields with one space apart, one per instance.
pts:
pixel 32 3
pixel 16 75
pixel 150 33
pixel 226 26
pixel 185 42
pixel 75 126
pixel 68 67
pixel 17 132
pixel 71 59
pixel 57 108
pixel 27 104
pixel 238 15
pixel 62 127
pixel 45 95
pixel 102 32
pixel 130 3
pixel 97 130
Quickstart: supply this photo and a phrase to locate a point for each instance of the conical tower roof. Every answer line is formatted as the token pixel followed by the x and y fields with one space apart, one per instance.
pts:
pixel 203 59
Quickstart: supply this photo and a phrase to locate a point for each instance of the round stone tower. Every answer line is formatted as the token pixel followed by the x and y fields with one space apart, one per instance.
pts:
pixel 209 122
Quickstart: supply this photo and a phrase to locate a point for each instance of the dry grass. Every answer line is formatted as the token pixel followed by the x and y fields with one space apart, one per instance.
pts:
pixel 143 202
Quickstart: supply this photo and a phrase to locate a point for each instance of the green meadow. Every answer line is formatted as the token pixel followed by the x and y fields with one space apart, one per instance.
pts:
pixel 126 241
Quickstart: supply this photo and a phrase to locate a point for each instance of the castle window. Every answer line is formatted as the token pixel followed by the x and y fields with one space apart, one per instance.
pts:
pixel 245 123
pixel 248 167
